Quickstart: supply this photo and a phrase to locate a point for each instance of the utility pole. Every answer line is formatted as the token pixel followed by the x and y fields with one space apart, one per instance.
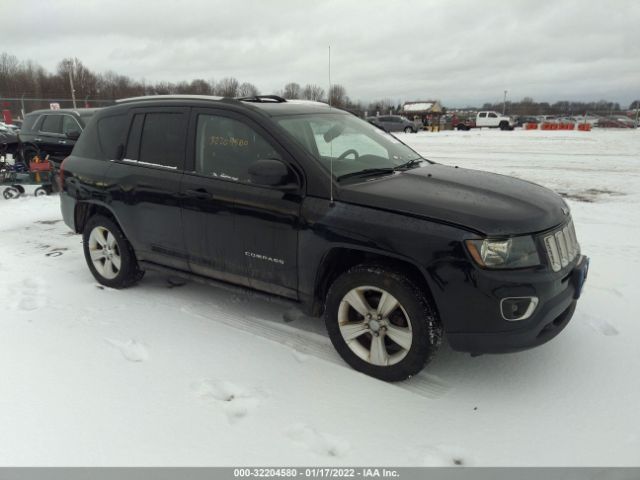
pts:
pixel 73 92
pixel 504 103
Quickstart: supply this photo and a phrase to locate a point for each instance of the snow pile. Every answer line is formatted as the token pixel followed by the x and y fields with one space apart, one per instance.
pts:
pixel 172 374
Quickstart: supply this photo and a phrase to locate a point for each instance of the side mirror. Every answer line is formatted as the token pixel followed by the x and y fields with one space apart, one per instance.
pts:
pixel 272 173
pixel 73 135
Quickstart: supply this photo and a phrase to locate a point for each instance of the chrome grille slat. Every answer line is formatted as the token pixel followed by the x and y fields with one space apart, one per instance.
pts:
pixel 561 246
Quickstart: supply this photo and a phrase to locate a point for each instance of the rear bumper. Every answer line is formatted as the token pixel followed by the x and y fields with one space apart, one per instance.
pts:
pixel 68 208
pixel 555 309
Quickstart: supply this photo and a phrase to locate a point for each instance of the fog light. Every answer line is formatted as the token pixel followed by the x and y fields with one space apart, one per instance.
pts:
pixel 518 308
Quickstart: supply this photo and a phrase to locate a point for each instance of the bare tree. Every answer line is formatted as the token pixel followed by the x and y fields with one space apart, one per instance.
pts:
pixel 199 87
pixel 248 90
pixel 338 96
pixel 313 92
pixel 292 91
pixel 85 82
pixel 227 87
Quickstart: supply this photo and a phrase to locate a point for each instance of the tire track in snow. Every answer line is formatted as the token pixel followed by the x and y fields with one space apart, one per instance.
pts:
pixel 304 344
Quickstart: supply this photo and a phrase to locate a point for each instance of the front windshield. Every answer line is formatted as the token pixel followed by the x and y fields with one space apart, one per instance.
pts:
pixel 353 144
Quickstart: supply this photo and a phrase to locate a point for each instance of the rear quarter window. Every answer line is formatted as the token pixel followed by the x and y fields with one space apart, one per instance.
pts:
pixel 102 137
pixel 29 122
pixel 111 135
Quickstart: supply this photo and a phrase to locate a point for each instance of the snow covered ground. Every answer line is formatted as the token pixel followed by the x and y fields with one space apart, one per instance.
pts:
pixel 161 374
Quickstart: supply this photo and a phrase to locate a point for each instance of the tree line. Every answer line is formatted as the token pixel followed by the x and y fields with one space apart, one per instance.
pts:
pixel 28 80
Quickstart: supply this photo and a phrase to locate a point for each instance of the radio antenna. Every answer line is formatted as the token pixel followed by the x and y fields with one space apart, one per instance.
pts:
pixel 331 142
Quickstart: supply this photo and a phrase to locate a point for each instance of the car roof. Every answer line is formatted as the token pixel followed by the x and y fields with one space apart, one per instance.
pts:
pixel 269 104
pixel 78 111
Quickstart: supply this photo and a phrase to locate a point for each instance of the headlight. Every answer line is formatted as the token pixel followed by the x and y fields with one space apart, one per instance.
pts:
pixel 514 252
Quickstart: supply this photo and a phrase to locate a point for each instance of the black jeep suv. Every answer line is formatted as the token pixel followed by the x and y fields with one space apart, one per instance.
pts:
pixel 312 204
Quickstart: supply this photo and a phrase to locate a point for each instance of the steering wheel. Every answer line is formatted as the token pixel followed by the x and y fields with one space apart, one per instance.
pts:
pixel 349 152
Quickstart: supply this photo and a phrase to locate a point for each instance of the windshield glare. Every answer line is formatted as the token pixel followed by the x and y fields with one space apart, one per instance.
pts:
pixel 353 144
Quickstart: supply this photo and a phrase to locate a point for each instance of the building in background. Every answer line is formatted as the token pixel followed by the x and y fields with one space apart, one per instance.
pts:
pixel 427 112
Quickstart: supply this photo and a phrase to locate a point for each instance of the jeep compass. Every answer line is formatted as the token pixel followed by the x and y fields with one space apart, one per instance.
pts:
pixel 311 204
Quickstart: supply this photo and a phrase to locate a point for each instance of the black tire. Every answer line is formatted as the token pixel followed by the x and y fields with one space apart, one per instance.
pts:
pixel 409 130
pixel 10 193
pixel 20 188
pixel 426 329
pixel 129 272
pixel 504 125
pixel 40 191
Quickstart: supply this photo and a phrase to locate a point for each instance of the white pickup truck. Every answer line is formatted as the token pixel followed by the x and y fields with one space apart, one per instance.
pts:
pixel 494 120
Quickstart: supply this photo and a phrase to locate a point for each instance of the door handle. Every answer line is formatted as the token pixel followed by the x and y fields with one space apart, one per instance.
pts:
pixel 37 139
pixel 63 142
pixel 200 194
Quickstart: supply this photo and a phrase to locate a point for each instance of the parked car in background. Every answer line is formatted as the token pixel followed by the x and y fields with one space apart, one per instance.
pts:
pixel 489 119
pixel 53 132
pixel 616 121
pixel 8 141
pixel 463 122
pixel 9 127
pixel 394 123
pixel 494 120
pixel 590 119
pixel 547 118
pixel 522 120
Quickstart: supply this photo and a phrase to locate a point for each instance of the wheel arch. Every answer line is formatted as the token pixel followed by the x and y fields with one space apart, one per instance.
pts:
pixel 83 211
pixel 339 259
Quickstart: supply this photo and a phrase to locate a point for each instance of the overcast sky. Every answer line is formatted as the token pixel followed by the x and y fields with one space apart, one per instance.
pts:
pixel 462 52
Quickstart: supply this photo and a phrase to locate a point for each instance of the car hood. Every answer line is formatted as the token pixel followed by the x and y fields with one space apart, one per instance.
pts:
pixel 488 203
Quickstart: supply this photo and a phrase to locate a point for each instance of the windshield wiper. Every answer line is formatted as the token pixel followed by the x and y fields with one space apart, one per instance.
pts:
pixel 410 164
pixel 367 172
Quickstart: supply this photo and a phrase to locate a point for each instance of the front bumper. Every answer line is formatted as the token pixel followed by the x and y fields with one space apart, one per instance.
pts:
pixel 558 295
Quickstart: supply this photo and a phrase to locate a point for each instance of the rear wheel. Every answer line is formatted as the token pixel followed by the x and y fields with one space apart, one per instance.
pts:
pixel 381 323
pixel 109 254
pixel 41 191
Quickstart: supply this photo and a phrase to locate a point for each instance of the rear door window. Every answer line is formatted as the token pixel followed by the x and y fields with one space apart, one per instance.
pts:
pixel 163 139
pixel 52 124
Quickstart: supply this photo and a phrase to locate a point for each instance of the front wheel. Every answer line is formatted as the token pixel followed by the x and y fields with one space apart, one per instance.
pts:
pixel 408 130
pixel 381 323
pixel 109 254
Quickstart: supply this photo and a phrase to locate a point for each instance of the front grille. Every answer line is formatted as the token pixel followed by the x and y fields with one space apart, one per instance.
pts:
pixel 561 246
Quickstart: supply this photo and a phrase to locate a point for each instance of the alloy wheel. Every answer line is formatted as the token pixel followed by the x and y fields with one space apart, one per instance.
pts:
pixel 105 252
pixel 375 326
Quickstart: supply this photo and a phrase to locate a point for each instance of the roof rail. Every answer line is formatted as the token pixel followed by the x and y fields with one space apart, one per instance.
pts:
pixel 262 99
pixel 169 97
